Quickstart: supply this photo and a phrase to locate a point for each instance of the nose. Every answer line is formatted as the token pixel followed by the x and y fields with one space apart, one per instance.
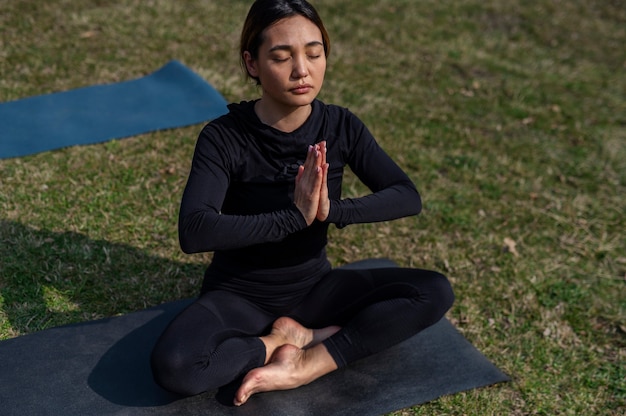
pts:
pixel 300 69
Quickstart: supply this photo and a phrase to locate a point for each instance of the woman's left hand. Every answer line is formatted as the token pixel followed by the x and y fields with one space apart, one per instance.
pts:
pixel 324 203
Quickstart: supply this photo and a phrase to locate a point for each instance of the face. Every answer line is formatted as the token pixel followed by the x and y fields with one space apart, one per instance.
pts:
pixel 291 63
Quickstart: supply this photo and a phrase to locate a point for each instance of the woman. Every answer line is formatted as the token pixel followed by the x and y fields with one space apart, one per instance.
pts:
pixel 264 186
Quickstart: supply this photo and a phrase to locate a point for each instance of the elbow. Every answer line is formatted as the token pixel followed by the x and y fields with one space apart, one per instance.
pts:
pixel 186 247
pixel 407 202
pixel 186 242
pixel 416 200
pixel 188 235
pixel 418 203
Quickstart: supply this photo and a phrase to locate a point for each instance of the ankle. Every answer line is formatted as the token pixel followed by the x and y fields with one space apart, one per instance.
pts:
pixel 317 362
pixel 271 342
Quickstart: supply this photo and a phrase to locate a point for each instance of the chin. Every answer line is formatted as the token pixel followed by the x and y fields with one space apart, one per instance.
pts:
pixel 302 100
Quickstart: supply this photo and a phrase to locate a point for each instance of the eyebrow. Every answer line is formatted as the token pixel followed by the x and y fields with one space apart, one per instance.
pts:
pixel 288 47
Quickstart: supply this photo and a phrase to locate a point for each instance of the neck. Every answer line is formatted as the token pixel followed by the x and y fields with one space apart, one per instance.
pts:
pixel 283 119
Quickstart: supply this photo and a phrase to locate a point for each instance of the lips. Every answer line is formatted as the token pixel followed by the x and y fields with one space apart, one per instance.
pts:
pixel 302 89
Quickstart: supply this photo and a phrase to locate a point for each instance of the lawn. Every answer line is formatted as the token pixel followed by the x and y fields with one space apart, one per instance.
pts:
pixel 509 115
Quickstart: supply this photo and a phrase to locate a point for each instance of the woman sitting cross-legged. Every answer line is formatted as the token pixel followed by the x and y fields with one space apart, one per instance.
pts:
pixel 265 184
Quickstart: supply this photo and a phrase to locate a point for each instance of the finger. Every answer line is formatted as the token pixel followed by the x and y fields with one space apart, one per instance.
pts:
pixel 323 208
pixel 324 182
pixel 308 164
pixel 314 182
pixel 299 174
pixel 308 181
pixel 310 155
pixel 307 193
pixel 312 161
pixel 317 154
pixel 321 147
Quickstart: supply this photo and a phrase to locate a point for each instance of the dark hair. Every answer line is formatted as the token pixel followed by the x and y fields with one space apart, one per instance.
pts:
pixel 265 13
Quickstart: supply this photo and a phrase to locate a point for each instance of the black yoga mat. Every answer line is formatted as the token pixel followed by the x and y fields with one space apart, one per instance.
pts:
pixel 173 96
pixel 102 368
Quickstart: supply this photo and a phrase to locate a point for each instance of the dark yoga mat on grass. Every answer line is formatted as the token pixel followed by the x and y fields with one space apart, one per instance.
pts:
pixel 173 96
pixel 102 368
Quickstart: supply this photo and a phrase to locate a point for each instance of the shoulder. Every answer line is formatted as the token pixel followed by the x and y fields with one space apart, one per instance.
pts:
pixel 334 111
pixel 238 114
pixel 339 118
pixel 225 137
pixel 341 121
pixel 232 125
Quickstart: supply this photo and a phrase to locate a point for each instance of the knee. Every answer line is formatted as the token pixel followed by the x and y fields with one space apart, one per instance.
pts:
pixel 442 293
pixel 172 371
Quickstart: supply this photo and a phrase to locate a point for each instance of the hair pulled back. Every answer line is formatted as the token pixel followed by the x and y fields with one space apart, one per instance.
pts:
pixel 264 13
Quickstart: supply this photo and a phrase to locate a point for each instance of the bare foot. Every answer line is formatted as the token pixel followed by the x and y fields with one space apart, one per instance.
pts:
pixel 290 367
pixel 286 330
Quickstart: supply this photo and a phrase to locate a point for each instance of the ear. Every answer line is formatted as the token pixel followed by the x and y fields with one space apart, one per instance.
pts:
pixel 251 64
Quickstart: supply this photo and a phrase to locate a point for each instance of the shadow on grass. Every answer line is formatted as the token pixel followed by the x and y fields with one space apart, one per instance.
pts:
pixel 49 279
pixel 54 278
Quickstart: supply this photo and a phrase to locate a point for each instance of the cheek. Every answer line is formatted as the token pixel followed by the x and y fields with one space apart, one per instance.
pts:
pixel 320 73
pixel 321 67
pixel 266 73
pixel 274 75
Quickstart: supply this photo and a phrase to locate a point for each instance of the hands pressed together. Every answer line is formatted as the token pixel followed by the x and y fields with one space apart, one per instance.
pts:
pixel 311 192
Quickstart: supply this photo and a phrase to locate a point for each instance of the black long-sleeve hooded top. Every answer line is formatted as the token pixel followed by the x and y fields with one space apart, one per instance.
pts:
pixel 238 201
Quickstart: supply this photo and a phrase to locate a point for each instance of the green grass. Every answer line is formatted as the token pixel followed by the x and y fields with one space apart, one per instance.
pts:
pixel 509 115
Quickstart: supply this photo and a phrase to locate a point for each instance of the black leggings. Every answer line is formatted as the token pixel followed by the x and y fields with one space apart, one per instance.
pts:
pixel 216 339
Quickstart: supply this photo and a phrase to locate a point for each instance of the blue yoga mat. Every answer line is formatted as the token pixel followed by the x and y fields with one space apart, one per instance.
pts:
pixel 173 96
